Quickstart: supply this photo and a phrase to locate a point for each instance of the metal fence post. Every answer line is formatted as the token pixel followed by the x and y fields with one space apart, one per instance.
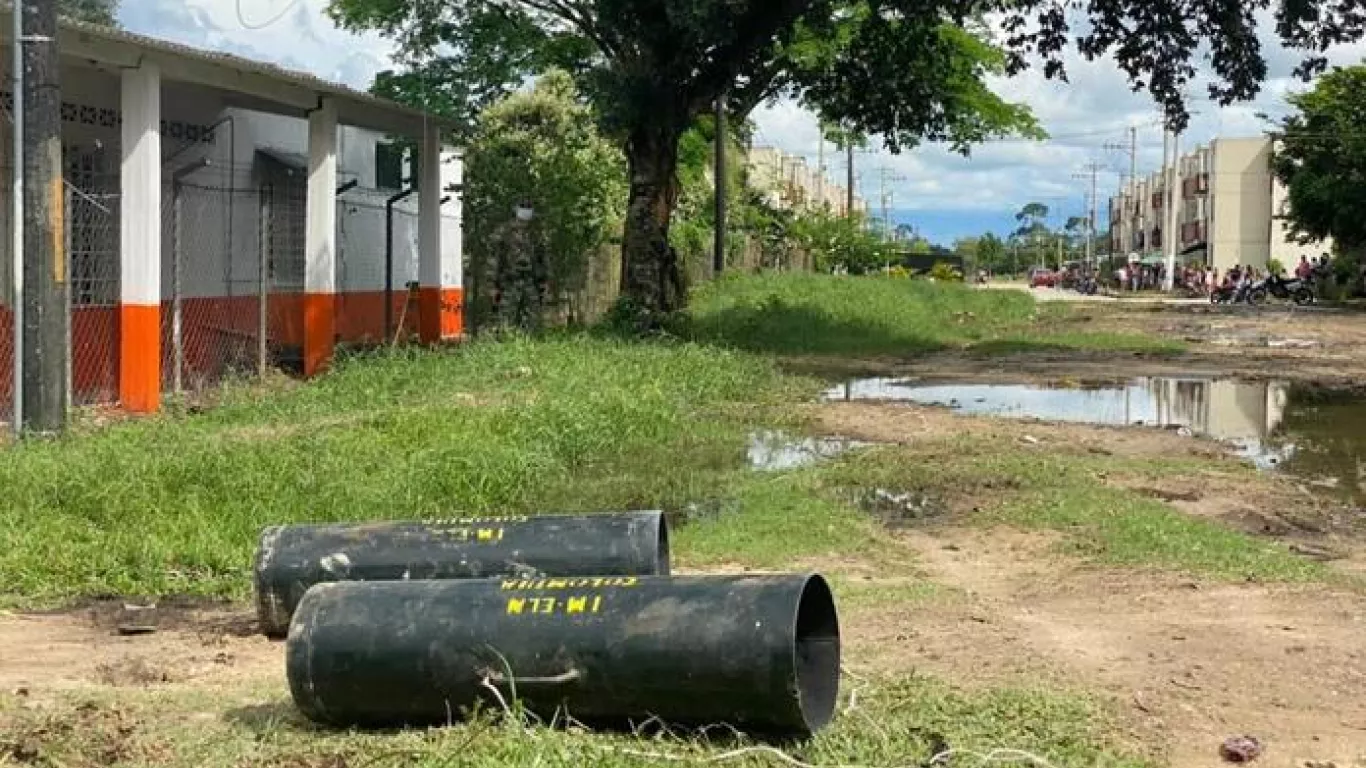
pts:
pixel 263 283
pixel 69 201
pixel 177 316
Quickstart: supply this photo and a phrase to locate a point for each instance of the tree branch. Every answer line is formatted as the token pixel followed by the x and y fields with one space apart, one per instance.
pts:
pixel 751 35
pixel 577 15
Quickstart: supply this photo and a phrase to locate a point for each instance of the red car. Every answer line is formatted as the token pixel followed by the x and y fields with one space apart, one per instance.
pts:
pixel 1043 278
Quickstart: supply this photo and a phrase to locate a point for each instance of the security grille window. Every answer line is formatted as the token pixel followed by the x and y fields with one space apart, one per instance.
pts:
pixel 92 228
pixel 389 166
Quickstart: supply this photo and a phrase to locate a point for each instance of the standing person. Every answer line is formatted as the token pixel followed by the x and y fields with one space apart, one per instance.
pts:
pixel 1305 270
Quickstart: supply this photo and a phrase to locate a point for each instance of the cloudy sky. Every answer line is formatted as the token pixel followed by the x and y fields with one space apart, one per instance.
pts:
pixel 943 194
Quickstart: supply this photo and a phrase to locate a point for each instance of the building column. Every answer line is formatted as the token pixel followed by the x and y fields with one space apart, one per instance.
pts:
pixel 320 240
pixel 140 242
pixel 442 299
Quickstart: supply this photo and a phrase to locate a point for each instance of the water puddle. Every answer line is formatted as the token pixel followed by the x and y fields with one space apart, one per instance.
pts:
pixel 1320 438
pixel 777 451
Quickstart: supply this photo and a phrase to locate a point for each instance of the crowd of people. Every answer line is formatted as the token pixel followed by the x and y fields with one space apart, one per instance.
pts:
pixel 1204 281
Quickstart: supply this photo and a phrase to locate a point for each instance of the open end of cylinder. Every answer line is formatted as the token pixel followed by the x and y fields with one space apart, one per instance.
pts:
pixel 663 547
pixel 818 653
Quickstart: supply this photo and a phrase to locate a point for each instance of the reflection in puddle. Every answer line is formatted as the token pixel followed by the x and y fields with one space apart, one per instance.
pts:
pixel 777 451
pixel 1321 441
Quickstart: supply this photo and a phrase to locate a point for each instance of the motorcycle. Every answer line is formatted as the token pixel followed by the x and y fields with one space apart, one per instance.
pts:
pixel 1294 289
pixel 1223 294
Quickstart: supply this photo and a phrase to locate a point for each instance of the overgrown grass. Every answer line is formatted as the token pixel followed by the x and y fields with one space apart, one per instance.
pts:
pixel 175 504
pixel 824 315
pixel 893 722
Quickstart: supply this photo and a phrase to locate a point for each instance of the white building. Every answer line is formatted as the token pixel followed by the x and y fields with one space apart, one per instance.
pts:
pixel 787 182
pixel 1231 209
pixel 219 207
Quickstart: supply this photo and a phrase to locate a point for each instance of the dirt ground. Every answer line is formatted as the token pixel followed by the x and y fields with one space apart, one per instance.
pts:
pixel 1186 663
pixel 1311 346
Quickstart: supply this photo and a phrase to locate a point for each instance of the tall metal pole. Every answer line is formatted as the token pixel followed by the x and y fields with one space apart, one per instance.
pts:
pixel 1173 219
pixel 849 151
pixel 16 220
pixel 886 214
pixel 263 285
pixel 820 170
pixel 177 304
pixel 1091 223
pixel 1133 155
pixel 46 322
pixel 719 252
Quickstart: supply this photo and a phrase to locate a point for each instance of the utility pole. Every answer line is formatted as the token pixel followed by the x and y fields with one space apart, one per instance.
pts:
pixel 887 197
pixel 849 150
pixel 820 169
pixel 1130 149
pixel 45 317
pixel 1173 219
pixel 1133 155
pixel 1092 172
pixel 16 220
pixel 719 254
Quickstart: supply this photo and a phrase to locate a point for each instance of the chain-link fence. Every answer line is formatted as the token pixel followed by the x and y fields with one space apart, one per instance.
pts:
pixel 212 287
pixel 232 275
pixel 377 267
pixel 92 246
pixel 6 311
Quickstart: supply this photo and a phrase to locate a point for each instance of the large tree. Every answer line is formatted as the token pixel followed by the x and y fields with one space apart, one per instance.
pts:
pixel 102 12
pixel 1322 160
pixel 905 70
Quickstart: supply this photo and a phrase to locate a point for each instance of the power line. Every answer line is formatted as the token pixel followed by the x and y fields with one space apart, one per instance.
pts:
pixel 257 27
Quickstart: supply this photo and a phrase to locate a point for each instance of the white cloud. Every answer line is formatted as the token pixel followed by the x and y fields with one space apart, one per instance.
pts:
pixel 303 38
pixel 1089 119
pixel 1085 115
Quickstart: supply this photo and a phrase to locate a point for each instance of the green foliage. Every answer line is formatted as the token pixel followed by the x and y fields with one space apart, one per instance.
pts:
pixel 944 273
pixel 1322 159
pixel 992 254
pixel 654 68
pixel 841 243
pixel 1035 234
pixel 1275 266
pixel 542 147
pixel 486 55
pixel 101 12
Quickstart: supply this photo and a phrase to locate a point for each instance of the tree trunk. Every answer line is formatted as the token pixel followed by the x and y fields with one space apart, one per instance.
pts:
pixel 651 277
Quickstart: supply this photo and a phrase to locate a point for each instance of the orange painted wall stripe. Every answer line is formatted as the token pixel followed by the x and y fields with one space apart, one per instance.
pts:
pixel 320 331
pixel 209 325
pixel 443 314
pixel 140 358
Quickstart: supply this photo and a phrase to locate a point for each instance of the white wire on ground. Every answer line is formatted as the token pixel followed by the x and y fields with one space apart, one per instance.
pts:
pixel 994 757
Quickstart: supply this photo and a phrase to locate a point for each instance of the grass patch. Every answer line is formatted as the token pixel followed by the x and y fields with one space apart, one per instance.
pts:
pixel 896 722
pixel 1067 493
pixel 775 521
pixel 1118 527
pixel 824 315
pixel 175 504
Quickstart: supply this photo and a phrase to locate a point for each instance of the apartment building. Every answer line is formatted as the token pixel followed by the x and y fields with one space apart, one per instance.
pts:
pixel 1230 210
pixel 788 182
